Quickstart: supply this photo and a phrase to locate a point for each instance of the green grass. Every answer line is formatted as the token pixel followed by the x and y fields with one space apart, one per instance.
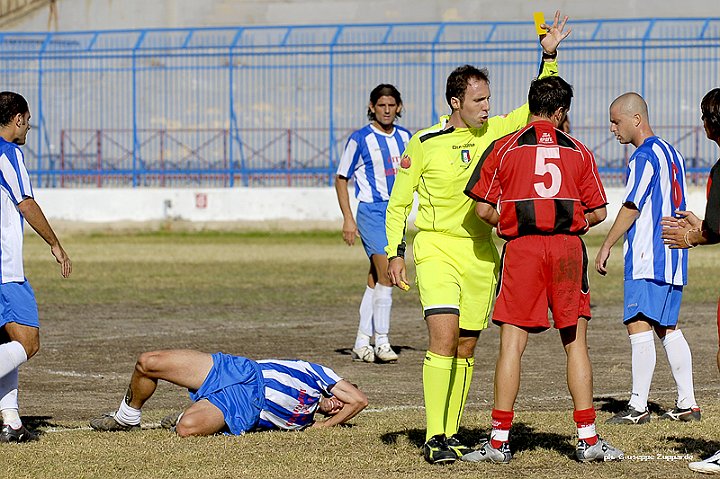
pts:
pixel 270 294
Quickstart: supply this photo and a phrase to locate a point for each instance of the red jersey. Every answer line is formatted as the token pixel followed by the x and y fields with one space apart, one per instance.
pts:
pixel 541 180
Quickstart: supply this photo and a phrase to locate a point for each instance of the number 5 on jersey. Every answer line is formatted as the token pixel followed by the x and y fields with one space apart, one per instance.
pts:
pixel 543 168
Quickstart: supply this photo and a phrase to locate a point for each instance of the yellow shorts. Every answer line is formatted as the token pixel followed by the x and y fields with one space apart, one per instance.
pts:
pixel 456 276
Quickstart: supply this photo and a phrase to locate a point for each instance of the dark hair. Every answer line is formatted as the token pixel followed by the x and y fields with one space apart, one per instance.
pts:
pixel 710 108
pixel 548 94
pixel 458 81
pixel 11 104
pixel 383 89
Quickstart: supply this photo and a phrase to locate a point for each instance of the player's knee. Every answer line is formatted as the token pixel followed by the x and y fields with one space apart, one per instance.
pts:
pixel 148 363
pixel 28 337
pixel 32 347
pixel 188 425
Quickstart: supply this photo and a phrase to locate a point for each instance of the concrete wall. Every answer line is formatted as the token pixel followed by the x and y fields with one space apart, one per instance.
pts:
pixel 130 14
pixel 315 207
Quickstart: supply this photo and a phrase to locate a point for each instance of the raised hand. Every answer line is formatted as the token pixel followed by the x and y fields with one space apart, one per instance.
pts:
pixel 555 33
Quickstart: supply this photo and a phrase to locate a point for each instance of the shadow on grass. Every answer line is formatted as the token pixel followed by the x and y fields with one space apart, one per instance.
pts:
pixel 522 438
pixel 35 423
pixel 702 448
pixel 613 405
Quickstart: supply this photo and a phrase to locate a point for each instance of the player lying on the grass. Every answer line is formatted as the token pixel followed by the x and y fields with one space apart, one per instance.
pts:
pixel 234 394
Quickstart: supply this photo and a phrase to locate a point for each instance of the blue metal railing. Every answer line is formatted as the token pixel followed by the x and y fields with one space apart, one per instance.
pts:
pixel 264 106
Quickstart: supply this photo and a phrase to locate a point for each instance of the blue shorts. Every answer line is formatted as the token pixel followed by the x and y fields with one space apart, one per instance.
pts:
pixel 371 225
pixel 658 302
pixel 18 304
pixel 235 386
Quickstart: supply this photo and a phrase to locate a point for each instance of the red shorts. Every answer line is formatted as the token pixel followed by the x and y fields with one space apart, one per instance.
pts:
pixel 541 272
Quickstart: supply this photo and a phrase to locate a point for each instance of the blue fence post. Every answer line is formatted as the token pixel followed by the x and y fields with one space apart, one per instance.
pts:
pixel 231 111
pixel 433 73
pixel 331 100
pixel 40 113
pixel 643 53
pixel 136 140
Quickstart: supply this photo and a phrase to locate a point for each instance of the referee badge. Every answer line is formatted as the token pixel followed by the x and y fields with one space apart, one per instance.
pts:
pixel 465 156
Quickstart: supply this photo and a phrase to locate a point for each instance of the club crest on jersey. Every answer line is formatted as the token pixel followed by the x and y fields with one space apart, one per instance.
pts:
pixel 546 138
pixel 465 156
pixel 405 162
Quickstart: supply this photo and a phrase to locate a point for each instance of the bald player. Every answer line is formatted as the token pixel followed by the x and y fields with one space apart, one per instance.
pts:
pixel 654 273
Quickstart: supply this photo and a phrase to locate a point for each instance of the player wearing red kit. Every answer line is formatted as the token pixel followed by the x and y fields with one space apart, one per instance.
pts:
pixel 541 189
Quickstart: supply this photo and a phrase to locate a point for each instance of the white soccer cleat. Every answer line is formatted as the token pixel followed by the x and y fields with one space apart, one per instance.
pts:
pixel 488 453
pixel 365 353
pixel 711 465
pixel 385 354
pixel 600 451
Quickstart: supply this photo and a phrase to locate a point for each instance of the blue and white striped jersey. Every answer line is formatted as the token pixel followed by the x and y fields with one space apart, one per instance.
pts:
pixel 656 185
pixel 14 187
pixel 293 389
pixel 371 158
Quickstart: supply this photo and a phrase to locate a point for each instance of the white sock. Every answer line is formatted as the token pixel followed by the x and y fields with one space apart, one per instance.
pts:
pixel 12 355
pixel 382 305
pixel 680 359
pixel 8 390
pixel 365 329
pixel 11 417
pixel 127 415
pixel 643 367
pixel 9 399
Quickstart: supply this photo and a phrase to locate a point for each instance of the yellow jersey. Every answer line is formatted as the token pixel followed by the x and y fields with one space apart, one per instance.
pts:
pixel 437 164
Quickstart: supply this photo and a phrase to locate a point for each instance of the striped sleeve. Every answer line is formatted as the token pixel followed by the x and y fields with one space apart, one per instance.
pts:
pixel 15 177
pixel 640 176
pixel 349 159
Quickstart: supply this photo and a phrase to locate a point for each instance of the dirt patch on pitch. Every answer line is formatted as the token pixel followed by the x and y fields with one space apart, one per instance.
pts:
pixel 87 356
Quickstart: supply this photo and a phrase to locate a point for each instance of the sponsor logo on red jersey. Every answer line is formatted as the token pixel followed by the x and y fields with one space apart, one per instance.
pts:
pixel 546 139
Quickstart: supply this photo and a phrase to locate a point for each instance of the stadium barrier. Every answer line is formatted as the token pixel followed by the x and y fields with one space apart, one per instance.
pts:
pixel 272 106
pixel 316 207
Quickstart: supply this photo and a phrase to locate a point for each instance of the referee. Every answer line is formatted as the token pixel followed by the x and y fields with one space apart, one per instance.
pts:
pixel 455 258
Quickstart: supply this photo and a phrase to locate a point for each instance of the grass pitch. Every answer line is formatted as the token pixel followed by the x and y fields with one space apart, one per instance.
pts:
pixel 295 295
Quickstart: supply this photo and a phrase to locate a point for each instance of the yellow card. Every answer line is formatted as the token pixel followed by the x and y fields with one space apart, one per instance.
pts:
pixel 539 18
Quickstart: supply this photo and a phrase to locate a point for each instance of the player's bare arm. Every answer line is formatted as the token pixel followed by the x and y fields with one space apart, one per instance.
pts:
pixel 34 216
pixel 349 230
pixel 624 220
pixel 487 213
pixel 353 401
pixel 596 216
